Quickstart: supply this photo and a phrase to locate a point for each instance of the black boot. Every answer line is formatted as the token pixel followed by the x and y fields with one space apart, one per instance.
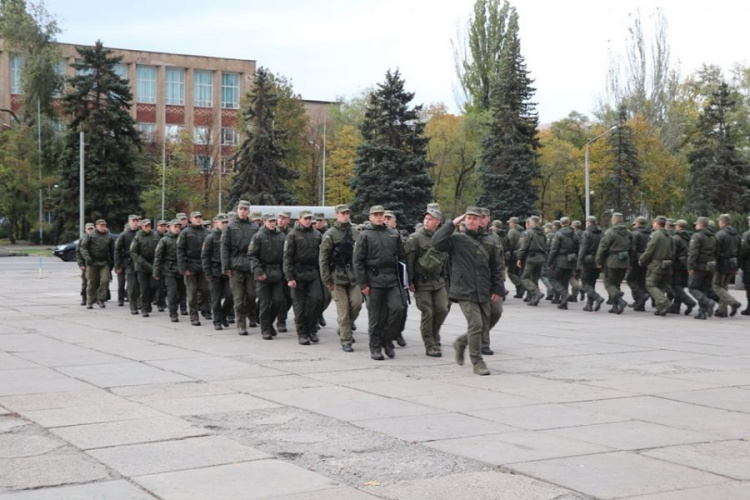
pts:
pixel 588 307
pixel 564 296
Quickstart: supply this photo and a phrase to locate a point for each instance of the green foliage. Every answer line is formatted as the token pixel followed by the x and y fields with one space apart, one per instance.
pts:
pixel 19 180
pixel 98 104
pixel 392 166
pixel 622 182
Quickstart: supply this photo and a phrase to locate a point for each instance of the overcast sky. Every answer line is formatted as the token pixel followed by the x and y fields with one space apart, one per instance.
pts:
pixel 333 48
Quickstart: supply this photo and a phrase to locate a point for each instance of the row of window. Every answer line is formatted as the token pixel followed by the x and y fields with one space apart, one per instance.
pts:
pixel 145 89
pixel 201 135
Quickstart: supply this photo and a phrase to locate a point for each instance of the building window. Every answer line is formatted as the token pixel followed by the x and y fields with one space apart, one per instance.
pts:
pixel 227 165
pixel 173 132
pixel 146 84
pixel 16 69
pixel 202 135
pixel 230 90
pixel 121 70
pixel 229 137
pixel 203 163
pixel 203 86
pixel 175 86
pixel 147 130
pixel 83 71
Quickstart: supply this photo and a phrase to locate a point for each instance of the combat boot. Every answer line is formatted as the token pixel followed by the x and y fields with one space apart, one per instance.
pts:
pixel 459 349
pixel 598 304
pixel 389 351
pixel 304 341
pixel 314 337
pixel 701 314
pixel 564 296
pixel 588 307
pixel 674 309
pixel 480 368
pixel 281 326
pixel 400 340
pixel 376 354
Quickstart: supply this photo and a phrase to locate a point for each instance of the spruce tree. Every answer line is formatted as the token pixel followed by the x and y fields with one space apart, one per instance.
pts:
pixel 261 174
pixel 391 164
pixel 98 104
pixel 718 169
pixel 508 162
pixel 621 183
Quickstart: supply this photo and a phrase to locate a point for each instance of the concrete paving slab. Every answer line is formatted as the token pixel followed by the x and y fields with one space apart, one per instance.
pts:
pixel 332 494
pixel 650 384
pixel 725 491
pixel 729 378
pixel 37 381
pixel 77 415
pixel 49 470
pixel 514 447
pixel 248 480
pixel 728 458
pixel 27 444
pixel 124 432
pixel 28 342
pixel 154 352
pixel 214 368
pixel 265 384
pixel 726 398
pixel 109 490
pixel 89 397
pixel 154 392
pixel 467 399
pixel 616 475
pixel 347 404
pixel 9 422
pixel 167 456
pixel 434 427
pixel 209 404
pixel 121 374
pixel 69 356
pixel 365 375
pixel 14 362
pixel 546 416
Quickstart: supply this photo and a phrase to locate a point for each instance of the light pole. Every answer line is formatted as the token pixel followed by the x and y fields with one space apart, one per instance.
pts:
pixel 586 167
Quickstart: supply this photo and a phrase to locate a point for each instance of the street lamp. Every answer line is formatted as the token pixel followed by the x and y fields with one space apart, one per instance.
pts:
pixel 586 166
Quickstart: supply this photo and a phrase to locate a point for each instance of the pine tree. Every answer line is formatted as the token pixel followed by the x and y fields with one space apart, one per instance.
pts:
pixel 718 169
pixel 621 184
pixel 261 174
pixel 509 155
pixel 391 164
pixel 98 105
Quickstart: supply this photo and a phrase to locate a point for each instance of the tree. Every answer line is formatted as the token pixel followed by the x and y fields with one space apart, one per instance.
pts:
pixel 718 168
pixel 98 105
pixel 341 158
pixel 509 166
pixel 560 162
pixel 621 185
pixel 261 174
pixel 391 168
pixel 18 179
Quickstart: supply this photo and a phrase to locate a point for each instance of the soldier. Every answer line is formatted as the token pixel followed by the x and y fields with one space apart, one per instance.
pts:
pixel 745 266
pixel 124 264
pixel 183 218
pixel 89 228
pixel 257 217
pixel 142 251
pixel 377 253
pixel 680 241
pixel 266 254
pixel 514 270
pixel 657 259
pixel 727 262
pixel 532 250
pixel 392 222
pixel 284 217
pixel 637 276
pixel 590 240
pixel 615 252
pixel 322 226
pixel 160 297
pixel 97 251
pixel 575 280
pixel 476 280
pixel 562 258
pixel 301 260
pixel 337 272
pixel 235 241
pixel 189 246
pixel 426 267
pixel 549 228
pixel 701 266
pixel 496 308
pixel 166 269
pixel 221 294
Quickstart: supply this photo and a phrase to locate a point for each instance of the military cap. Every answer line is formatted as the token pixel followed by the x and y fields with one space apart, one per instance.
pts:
pixel 681 223
pixel 591 218
pixel 549 224
pixel 472 210
pixel 389 213
pixel 134 217
pixel 670 221
pixel 534 218
pixel 497 223
pixel 89 225
pixel 232 215
pixel 576 223
pixel 433 206
pixel 206 223
pixel 221 217
pixel 617 214
pixel 342 208
pixel 320 216
pixel 702 220
pixel 146 222
pixel 255 215
pixel 243 204
pixel 161 222
pixel 269 216
pixel 661 220
pixel 484 211
pixel 434 212
pixel 564 221
pixel 195 214
pixel 181 215
pixel 639 220
pixel 303 214
pixel 101 221
pixel 712 223
pixel 284 213
pixel 377 209
pixel 174 222
pixel 513 220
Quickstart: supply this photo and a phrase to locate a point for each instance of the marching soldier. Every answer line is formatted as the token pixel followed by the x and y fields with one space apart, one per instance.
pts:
pixel 142 251
pixel 496 308
pixel 284 217
pixel 235 241
pixel 124 263
pixel 160 298
pixel 680 242
pixel 745 266
pixel 166 268
pixel 301 258
pixel 590 240
pixel 183 218
pixel 658 259
pixel 322 226
pixel 97 251
pixel 266 254
pixel 575 280
pixel 189 246
pixel 636 278
pixel 727 262
pixel 514 269
pixel 377 253
pixel 392 222
pixel 702 265
pixel 89 228
pixel 221 293
pixel 562 259
pixel 337 272
pixel 532 251
pixel 549 228
pixel 615 252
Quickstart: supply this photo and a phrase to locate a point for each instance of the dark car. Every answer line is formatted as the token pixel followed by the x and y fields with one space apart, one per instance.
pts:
pixel 67 251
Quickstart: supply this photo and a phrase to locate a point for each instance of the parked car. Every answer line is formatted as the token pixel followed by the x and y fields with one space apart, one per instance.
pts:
pixel 67 251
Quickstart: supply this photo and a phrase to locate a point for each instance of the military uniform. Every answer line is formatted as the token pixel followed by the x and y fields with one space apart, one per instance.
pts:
pixel 266 254
pixel 533 251
pixel 160 297
pixel 658 259
pixel 701 266
pixel 546 275
pixel 615 252
pixel 222 304
pixel 514 271
pixel 680 277
pixel 727 262
pixel 142 250
pixel 97 251
pixel 637 276
pixel 563 256
pixel 284 312
pixel 82 263
pixel 590 240
pixel 189 246
pixel 575 279
pixel 301 261
pixel 125 265
pixel 167 270
pixel 745 266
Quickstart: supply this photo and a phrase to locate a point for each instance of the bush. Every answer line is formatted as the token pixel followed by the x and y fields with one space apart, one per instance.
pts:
pixel 48 236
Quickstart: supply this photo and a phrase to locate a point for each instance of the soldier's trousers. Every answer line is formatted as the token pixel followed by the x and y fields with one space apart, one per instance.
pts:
pixel 575 282
pixel 288 302
pixel 84 286
pixel 530 276
pixel 385 310
pixel 561 280
pixel 679 283
pixel 514 275
pixel 160 295
pixel 656 284
pixel 588 282
pixel 308 303
pixel 121 287
pixel 222 304
pixel 477 320
pixel 433 304
pixel 721 283
pixel 172 284
pixel 134 289
pixel 613 281
pixel 348 300
pixel 496 312
pixel 198 294
pixel 546 278
pixel 699 285
pixel 270 299
pixel 243 293
pixel 148 287
pixel 98 283
pixel 637 282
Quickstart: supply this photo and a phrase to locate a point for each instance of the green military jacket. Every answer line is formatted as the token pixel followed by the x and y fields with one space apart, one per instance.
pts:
pixel 590 240
pixel 418 244
pixel 640 239
pixel 142 251
pixel 514 236
pixel 122 249
pixel 745 252
pixel 336 256
pixel 616 248
pixel 680 241
pixel 377 252
pixel 563 253
pixel 266 254
pixel 79 258
pixel 97 249
pixel 658 256
pixel 189 247
pixel 727 250
pixel 211 254
pixel 165 257
pixel 702 251
pixel 301 249
pixel 235 240
pixel 533 246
